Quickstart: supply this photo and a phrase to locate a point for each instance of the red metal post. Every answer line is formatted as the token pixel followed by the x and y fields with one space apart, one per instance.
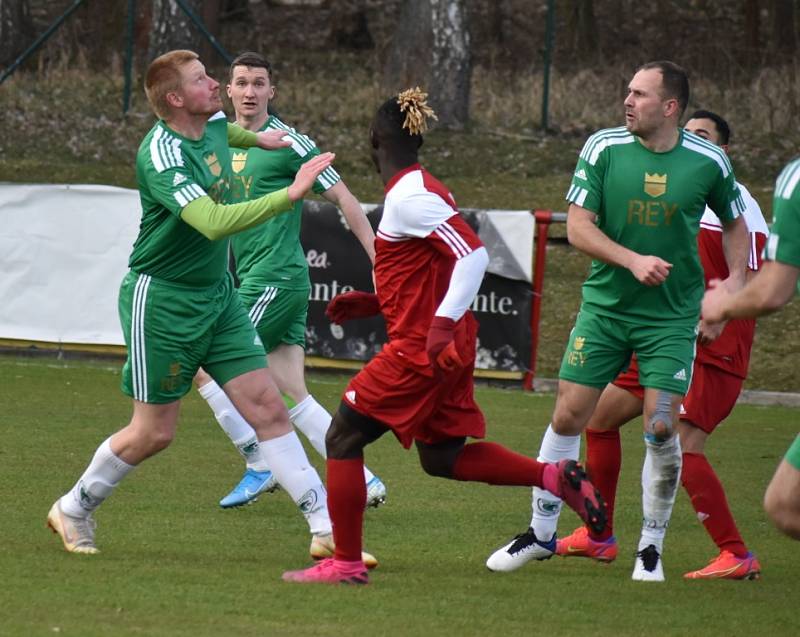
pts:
pixel 543 219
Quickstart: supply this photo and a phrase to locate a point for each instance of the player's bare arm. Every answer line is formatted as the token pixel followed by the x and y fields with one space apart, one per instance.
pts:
pixel 340 196
pixel 583 233
pixel 766 292
pixel 736 246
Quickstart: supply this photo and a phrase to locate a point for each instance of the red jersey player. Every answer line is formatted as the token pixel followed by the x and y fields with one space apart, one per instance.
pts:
pixel 429 265
pixel 719 370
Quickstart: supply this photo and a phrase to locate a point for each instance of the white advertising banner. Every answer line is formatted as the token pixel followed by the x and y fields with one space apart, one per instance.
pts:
pixel 63 253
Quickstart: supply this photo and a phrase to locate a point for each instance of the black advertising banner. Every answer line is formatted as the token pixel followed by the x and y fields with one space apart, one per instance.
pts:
pixel 337 263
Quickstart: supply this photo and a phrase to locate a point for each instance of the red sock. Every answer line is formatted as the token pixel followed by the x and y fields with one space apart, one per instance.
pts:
pixel 603 463
pixel 496 464
pixel 709 501
pixel 346 496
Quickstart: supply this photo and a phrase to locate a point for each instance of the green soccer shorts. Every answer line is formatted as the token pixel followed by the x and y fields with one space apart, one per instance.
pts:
pixel 171 330
pixel 600 348
pixel 279 315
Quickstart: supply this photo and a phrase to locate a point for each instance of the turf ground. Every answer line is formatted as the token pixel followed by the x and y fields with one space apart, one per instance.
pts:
pixel 173 563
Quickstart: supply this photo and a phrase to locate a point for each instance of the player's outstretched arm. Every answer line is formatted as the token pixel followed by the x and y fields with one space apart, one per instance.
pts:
pixel 272 139
pixel 307 175
pixel 340 195
pixel 583 233
pixel 769 290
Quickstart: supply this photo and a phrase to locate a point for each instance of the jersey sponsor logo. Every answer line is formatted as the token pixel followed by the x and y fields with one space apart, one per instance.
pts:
pixel 651 213
pixel 655 185
pixel 680 375
pixel 351 396
pixel 178 179
pixel 238 160
pixel 580 174
pixel 213 164
pixel 578 343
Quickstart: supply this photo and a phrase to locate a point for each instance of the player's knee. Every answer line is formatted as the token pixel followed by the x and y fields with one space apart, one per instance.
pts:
pixel 440 460
pixel 343 440
pixel 784 513
pixel 659 425
pixel 158 440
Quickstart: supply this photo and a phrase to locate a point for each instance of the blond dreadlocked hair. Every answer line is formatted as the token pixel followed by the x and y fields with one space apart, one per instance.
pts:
pixel 413 102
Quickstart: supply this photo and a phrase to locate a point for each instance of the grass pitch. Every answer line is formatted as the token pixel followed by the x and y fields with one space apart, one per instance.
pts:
pixel 174 563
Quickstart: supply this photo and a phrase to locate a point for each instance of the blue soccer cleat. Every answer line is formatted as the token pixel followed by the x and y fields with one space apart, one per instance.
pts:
pixel 252 484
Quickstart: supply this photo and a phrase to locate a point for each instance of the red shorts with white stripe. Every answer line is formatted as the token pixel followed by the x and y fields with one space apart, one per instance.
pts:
pixel 711 398
pixel 415 406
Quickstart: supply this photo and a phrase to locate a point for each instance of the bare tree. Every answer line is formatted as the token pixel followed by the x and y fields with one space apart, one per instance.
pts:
pixel 784 37
pixel 583 25
pixel 15 29
pixel 430 48
pixel 171 28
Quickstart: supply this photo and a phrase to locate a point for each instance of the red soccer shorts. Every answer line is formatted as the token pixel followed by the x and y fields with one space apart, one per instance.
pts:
pixel 415 406
pixel 711 397
pixel 629 380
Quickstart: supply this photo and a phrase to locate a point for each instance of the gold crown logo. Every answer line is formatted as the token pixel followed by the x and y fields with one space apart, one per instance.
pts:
pixel 213 164
pixel 238 160
pixel 578 344
pixel 655 185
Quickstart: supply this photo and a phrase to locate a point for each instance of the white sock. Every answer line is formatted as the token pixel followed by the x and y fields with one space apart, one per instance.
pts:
pixel 98 481
pixel 661 476
pixel 290 466
pixel 546 506
pixel 314 421
pixel 242 435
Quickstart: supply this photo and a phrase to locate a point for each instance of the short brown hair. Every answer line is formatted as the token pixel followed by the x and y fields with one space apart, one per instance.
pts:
pixel 674 80
pixel 251 60
pixel 164 75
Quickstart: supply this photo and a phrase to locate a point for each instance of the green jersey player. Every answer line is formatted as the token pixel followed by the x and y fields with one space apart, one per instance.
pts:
pixel 635 204
pixel 769 290
pixel 273 271
pixel 177 304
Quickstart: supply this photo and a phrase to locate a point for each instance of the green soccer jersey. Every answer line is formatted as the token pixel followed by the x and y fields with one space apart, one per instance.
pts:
pixel 651 203
pixel 784 240
pixel 171 171
pixel 271 253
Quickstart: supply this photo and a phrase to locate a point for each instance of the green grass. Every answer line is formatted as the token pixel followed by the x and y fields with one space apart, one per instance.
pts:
pixel 173 563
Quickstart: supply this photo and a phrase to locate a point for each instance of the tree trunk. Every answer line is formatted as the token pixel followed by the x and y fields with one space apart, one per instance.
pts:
pixel 584 30
pixel 16 30
pixel 172 29
pixel 430 48
pixel 784 38
pixel 752 26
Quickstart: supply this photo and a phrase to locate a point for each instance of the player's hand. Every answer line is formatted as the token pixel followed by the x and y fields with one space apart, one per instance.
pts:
pixel 441 346
pixel 273 139
pixel 714 301
pixel 308 174
pixel 709 332
pixel 650 270
pixel 352 305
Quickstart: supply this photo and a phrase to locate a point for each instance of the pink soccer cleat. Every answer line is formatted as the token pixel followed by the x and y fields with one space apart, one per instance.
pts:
pixel 727 566
pixel 330 571
pixel 580 494
pixel 579 544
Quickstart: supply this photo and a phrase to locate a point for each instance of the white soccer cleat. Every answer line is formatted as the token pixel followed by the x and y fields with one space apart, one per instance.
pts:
pixel 521 550
pixel 322 547
pixel 648 567
pixel 77 534
pixel 376 492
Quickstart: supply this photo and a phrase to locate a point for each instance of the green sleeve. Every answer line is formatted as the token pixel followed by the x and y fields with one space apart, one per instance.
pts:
pixel 239 137
pixel 215 221
pixel 586 188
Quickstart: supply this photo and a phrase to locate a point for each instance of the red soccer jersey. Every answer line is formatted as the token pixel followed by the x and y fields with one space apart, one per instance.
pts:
pixel 731 351
pixel 420 237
